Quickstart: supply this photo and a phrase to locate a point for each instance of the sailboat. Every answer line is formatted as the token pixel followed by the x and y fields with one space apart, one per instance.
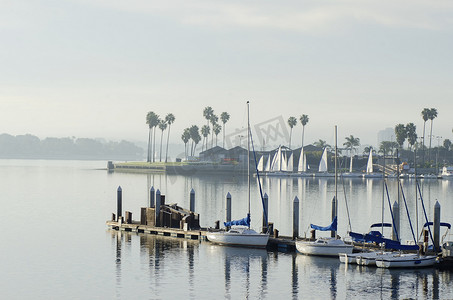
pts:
pixel 279 166
pixel 323 169
pixel 240 233
pixel 325 246
pixel 369 167
pixel 351 173
pixel 302 165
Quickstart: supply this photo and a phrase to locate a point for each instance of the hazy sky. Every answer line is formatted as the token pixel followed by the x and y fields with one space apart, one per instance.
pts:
pixel 94 68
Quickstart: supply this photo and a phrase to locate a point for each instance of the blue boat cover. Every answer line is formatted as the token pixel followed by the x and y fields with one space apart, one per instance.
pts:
pixel 375 236
pixel 390 244
pixel 441 224
pixel 243 222
pixel 331 227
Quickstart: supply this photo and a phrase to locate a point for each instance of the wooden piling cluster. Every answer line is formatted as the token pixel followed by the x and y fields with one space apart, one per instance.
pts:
pixel 171 220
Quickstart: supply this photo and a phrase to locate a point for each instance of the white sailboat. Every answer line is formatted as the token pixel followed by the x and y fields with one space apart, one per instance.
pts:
pixel 406 260
pixel 323 168
pixel 268 164
pixel 240 233
pixel 279 165
pixel 290 163
pixel 325 246
pixel 261 164
pixel 369 167
pixel 351 174
pixel 302 165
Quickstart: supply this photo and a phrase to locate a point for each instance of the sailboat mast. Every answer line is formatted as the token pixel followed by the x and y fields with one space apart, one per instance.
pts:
pixel 335 201
pixel 248 154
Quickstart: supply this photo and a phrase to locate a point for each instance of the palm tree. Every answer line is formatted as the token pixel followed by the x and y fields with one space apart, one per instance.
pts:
pixel 169 119
pixel 154 138
pixel 303 120
pixel 401 134
pixel 205 132
pixel 216 129
pixel 321 144
pixel 411 134
pixel 224 117
pixel 162 127
pixel 292 121
pixel 447 144
pixel 351 143
pixel 152 121
pixel 425 116
pixel 432 115
pixel 213 120
pixel 185 138
pixel 207 114
pixel 195 136
pixel 367 150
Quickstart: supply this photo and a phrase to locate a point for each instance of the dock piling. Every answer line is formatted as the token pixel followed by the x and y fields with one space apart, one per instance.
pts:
pixel 228 208
pixel 265 213
pixel 396 221
pixel 295 218
pixel 192 200
pixel 157 210
pixel 436 223
pixel 119 202
pixel 151 197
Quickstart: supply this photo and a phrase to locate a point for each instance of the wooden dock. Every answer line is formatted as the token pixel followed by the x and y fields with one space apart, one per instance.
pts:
pixel 282 243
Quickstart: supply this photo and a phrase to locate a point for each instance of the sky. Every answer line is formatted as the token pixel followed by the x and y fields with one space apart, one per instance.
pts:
pixel 94 68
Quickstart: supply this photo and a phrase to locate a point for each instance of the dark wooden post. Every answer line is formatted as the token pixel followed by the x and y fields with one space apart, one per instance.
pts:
pixel 295 218
pixel 192 200
pixel 436 226
pixel 396 221
pixel 119 202
pixel 265 213
pixel 158 208
pixel 151 197
pixel 334 214
pixel 228 208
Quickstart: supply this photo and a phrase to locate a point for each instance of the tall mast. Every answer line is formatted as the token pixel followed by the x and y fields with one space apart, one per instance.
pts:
pixel 248 153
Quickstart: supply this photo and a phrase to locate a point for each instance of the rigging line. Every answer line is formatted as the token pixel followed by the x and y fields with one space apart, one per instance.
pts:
pixel 391 212
pixel 426 217
pixel 259 181
pixel 346 202
pixel 407 211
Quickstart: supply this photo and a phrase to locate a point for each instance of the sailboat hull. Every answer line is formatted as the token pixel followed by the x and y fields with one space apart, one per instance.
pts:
pixel 324 247
pixel 406 261
pixel 241 238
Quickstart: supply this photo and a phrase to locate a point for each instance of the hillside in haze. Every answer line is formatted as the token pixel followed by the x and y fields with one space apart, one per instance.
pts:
pixel 30 146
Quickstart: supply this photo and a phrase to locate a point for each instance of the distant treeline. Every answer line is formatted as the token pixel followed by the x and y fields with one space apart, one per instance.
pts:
pixel 30 146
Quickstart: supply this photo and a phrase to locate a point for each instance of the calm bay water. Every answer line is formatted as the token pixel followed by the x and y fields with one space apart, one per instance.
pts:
pixel 55 243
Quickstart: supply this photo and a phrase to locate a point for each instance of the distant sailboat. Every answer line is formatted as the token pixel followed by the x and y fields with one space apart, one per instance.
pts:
pixel 261 164
pixel 323 169
pixel 302 165
pixel 369 167
pixel 279 165
pixel 351 173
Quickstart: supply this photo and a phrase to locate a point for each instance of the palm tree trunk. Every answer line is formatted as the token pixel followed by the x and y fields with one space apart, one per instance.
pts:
pixel 223 135
pixel 303 132
pixel 160 152
pixel 168 137
pixel 149 141
pixel 154 144
pixel 290 134
pixel 430 138
pixel 423 147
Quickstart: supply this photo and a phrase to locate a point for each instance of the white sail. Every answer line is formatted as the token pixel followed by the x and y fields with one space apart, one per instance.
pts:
pixel 261 164
pixel 279 159
pixel 323 162
pixel 302 165
pixel 284 164
pixel 369 165
pixel 290 163
pixel 274 164
pixel 268 164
